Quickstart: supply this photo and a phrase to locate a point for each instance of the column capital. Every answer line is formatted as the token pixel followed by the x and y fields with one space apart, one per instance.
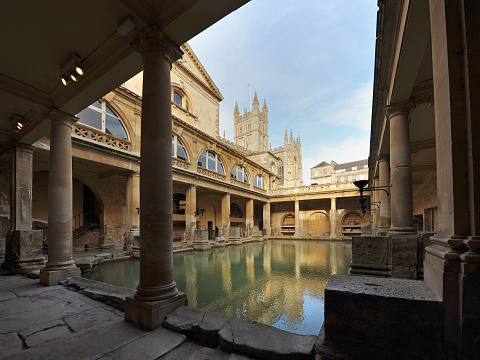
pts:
pixel 18 146
pixel 383 158
pixel 153 40
pixel 58 116
pixel 403 107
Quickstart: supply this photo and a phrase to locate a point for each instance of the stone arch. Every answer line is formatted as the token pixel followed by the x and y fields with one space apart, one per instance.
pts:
pixel 351 218
pixel 221 157
pixel 186 146
pixel 318 224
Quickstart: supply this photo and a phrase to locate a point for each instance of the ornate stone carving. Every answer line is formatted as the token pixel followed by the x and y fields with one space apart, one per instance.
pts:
pixel 82 131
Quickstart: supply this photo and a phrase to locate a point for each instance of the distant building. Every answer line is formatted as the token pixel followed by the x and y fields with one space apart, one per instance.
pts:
pixel 328 173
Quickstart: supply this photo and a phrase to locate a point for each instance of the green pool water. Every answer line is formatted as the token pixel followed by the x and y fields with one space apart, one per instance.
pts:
pixel 278 282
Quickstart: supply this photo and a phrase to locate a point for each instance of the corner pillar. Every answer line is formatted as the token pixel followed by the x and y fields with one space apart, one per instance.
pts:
pixel 249 217
pixel 60 263
pixel 226 215
pixel 156 293
pixel 23 245
pixel 190 214
pixel 132 240
pixel 375 208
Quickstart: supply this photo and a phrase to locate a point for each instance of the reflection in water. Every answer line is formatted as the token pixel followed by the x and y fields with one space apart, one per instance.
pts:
pixel 278 283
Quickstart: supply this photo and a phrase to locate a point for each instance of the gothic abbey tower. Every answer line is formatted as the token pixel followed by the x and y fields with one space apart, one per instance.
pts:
pixel 251 133
pixel 251 128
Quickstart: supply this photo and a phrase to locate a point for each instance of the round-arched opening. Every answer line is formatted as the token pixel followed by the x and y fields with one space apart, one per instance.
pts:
pixel 318 224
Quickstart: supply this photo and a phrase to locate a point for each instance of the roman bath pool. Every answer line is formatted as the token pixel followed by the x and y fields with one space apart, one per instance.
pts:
pixel 278 282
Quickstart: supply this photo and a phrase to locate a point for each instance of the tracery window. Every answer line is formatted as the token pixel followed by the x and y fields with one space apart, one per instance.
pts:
pixel 258 182
pixel 209 160
pixel 100 116
pixel 239 173
pixel 178 150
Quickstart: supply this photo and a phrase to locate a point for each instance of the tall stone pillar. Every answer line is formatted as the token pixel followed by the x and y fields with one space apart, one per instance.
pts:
pixel 156 293
pixel 401 169
pixel 333 217
pixel 297 218
pixel 452 273
pixel 384 180
pixel 375 208
pixel 190 214
pixel 60 263
pixel 226 215
pixel 132 240
pixel 249 217
pixel 23 245
pixel 267 227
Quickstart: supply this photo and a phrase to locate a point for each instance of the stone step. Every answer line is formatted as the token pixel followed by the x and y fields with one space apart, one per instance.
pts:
pixel 216 354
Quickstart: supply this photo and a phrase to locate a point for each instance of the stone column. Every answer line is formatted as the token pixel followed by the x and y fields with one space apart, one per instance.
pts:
pixel 401 169
pixel 384 180
pixel 23 245
pixel 333 217
pixel 226 215
pixel 375 208
pixel 297 218
pixel 249 217
pixel 60 263
pixel 156 293
pixel 190 217
pixel 133 237
pixel 267 227
pixel 452 273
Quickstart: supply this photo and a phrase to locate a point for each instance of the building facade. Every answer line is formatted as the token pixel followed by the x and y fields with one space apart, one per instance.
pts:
pixel 327 173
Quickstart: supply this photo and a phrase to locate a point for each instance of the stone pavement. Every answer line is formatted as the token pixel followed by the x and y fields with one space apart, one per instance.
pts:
pixel 38 322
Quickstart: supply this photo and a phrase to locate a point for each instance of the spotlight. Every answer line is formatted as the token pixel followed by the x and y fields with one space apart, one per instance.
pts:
pixel 79 70
pixel 73 77
pixel 64 81
pixel 19 125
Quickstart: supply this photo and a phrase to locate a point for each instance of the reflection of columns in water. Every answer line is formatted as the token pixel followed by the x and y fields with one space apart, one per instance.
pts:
pixel 297 260
pixel 333 258
pixel 226 274
pixel 191 278
pixel 267 257
pixel 250 264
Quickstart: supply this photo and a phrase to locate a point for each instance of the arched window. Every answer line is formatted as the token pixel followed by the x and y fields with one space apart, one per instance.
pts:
pixel 177 98
pixel 100 116
pixel 178 150
pixel 236 211
pixel 239 173
pixel 209 160
pixel 258 181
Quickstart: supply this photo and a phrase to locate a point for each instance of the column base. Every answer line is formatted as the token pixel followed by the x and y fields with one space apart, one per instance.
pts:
pixel 383 230
pixel 235 241
pixel 220 241
pixel 201 245
pixel 403 255
pixel 53 277
pixel 150 314
pixel 25 266
pixel 24 251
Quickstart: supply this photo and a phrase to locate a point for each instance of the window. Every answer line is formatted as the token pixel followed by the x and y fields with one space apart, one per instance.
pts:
pixel 341 170
pixel 177 98
pixel 345 179
pixel 239 173
pixel 354 178
pixel 324 171
pixel 258 182
pixel 178 150
pixel 209 160
pixel 339 179
pixel 316 172
pixel 325 181
pixel 100 116
pixel 365 166
pixel 362 177
pixel 354 168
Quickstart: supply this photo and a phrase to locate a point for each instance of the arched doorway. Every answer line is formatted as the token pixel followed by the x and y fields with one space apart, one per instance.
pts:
pixel 288 225
pixel 318 224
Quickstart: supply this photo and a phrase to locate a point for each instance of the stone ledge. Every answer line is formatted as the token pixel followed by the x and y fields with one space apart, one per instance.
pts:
pixel 108 294
pixel 385 318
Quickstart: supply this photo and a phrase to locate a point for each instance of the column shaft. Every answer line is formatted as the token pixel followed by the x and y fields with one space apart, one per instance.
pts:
pixel 249 217
pixel 297 218
pixel 333 217
pixel 135 200
pixel 266 220
pixel 190 210
pixel 401 170
pixel 60 238
pixel 375 208
pixel 226 215
pixel 384 180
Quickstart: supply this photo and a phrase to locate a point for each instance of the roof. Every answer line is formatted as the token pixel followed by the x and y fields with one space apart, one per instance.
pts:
pixel 358 163
pixel 323 163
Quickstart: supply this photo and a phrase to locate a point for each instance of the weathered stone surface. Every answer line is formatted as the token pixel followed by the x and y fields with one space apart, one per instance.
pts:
pixel 385 317
pixel 196 324
pixel 90 319
pixel 149 347
pixel 265 342
pixel 34 329
pixel 215 354
pixel 7 296
pixel 47 335
pixel 9 344
pixel 404 256
pixel 370 255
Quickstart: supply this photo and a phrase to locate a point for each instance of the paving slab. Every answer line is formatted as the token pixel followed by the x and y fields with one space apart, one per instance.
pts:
pixel 90 319
pixel 9 344
pixel 34 329
pixel 182 352
pixel 216 354
pixel 149 347
pixel 44 336
pixel 7 295
pixel 265 342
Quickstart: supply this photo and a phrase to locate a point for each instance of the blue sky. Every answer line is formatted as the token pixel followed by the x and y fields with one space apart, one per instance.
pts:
pixel 312 61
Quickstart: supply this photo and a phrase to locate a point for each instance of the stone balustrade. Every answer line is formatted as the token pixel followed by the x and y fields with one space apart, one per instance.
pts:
pixel 85 132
